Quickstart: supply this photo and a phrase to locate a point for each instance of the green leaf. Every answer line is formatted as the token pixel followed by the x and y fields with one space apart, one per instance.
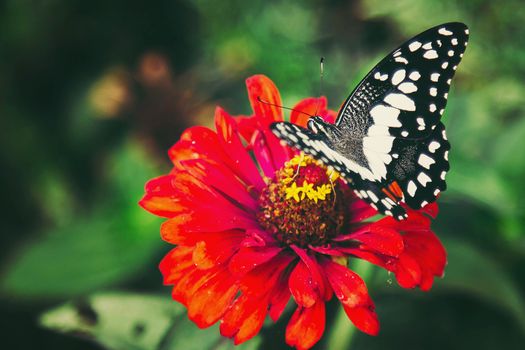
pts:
pixel 470 270
pixel 98 249
pixel 76 259
pixel 483 184
pixel 136 322
pixel 507 157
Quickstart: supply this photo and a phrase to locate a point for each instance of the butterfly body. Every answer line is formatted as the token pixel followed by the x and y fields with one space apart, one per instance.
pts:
pixel 388 140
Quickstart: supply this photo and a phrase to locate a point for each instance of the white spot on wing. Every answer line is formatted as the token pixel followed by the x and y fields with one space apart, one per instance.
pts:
pixel 398 76
pixel 425 161
pixel 385 115
pixel 372 196
pixel 454 41
pixel 414 75
pixel 444 31
pixel 423 179
pixel 430 54
pixel 414 46
pixel 411 188
pixel 433 91
pixel 407 88
pixel 400 101
pixel 444 65
pixel 432 107
pixel 380 76
pixel 401 60
pixel 434 77
pixel 378 130
pixel 379 144
pixel 427 46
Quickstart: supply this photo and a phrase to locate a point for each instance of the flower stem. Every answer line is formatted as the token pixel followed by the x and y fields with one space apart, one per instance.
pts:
pixel 342 333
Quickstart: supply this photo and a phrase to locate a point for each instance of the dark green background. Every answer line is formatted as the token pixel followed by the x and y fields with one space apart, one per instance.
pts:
pixel 92 94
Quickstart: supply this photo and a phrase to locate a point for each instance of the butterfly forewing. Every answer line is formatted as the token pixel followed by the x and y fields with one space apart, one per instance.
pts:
pixel 405 94
pixel 388 140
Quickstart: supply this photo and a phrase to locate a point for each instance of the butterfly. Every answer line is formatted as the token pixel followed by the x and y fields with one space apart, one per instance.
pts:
pixel 388 141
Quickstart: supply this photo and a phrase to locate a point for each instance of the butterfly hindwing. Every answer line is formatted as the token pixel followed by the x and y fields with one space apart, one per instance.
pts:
pixel 420 167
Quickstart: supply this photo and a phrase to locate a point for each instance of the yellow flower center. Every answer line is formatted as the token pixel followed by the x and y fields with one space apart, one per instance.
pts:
pixel 303 204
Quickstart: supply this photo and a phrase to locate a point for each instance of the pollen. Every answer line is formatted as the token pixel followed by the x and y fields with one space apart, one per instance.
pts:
pixel 303 203
pixel 307 190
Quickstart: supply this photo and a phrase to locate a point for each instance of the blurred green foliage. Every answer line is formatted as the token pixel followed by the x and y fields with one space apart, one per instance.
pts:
pixel 93 94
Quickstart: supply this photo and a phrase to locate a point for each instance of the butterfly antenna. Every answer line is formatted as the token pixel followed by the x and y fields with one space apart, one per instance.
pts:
pixel 282 107
pixel 321 75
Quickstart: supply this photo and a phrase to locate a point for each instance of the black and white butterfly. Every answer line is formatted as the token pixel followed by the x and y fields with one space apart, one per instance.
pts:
pixel 388 141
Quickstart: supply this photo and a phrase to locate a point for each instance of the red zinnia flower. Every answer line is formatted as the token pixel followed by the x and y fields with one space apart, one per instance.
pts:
pixel 254 223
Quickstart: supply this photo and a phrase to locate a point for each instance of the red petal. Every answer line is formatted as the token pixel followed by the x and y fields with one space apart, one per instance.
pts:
pixel 431 209
pixel 258 238
pixel 248 258
pixel 159 199
pixel 270 153
pixel 369 256
pixel 247 126
pixel 197 142
pixel 232 145
pixel 195 195
pixel 190 282
pixel 359 210
pixel 261 87
pixel 244 318
pixel 353 294
pixel 380 239
pixel 428 250
pixel 318 277
pixel 304 289
pixel 310 106
pixel 366 319
pixel 211 300
pixel 175 264
pixel 328 250
pixel 264 277
pixel 279 297
pixel 306 326
pixel 429 253
pixel 216 248
pixel 220 178
pixel 263 154
pixel 181 228
pixel 408 272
